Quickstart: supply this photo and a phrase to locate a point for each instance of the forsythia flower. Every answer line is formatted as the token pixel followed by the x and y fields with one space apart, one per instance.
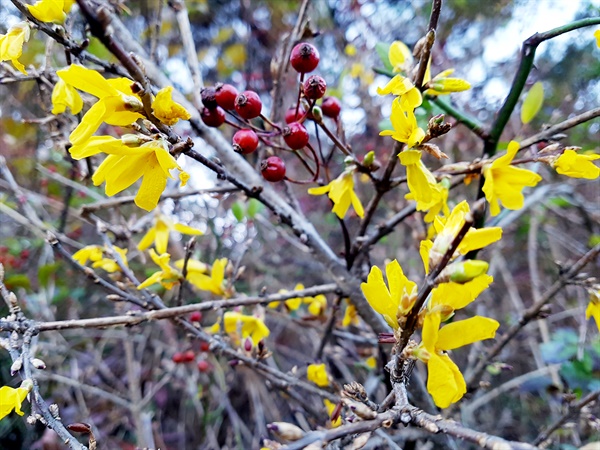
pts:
pixel 110 265
pixel 291 304
pixel 597 36
pixel 167 276
pixel 405 125
pixel 431 252
pixel 410 96
pixel 371 362
pixel 504 183
pixel 316 304
pixel 166 110
pixel 350 316
pixel 445 382
pixel 341 192
pixel 394 302
pixel 88 253
pixel 250 326
pixel 159 233
pixel 64 95
pixel 212 283
pixel 116 105
pixel 574 165
pixel 458 295
pixel 11 45
pixel 317 373
pixel 330 406
pixel 125 165
pixel 400 56
pixel 420 180
pixel 593 307
pixel 438 203
pixel 50 10
pixel 11 398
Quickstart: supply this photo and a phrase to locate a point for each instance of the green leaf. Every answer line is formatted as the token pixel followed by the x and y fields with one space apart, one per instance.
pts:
pixel 16 281
pixel 383 51
pixel 532 103
pixel 254 207
pixel 238 211
pixel 45 272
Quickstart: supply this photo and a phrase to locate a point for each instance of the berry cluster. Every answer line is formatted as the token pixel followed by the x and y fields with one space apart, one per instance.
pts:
pixel 189 355
pixel 247 105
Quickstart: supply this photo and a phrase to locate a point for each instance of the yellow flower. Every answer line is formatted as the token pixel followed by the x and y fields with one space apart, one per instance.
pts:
pixel 111 265
pixel 593 307
pixel 410 96
pixel 405 125
pixel 447 229
pixel 504 183
pixel 341 193
pixel 11 45
pixel 420 180
pixel 317 373
pixel 574 165
pixel 64 95
pixel 159 233
pixel 166 110
pixel 350 316
pixel 88 253
pixel 400 56
pixel 445 382
pixel 125 165
pixel 442 84
pixel 597 36
pixel 250 326
pixel 330 406
pixel 316 305
pixel 394 302
pixel 371 362
pixel 116 105
pixel 438 203
pixel 11 398
pixel 167 276
pixel 212 283
pixel 50 10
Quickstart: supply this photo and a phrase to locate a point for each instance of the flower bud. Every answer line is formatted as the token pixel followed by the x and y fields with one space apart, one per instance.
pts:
pixel 38 363
pixel 317 114
pixel 286 431
pixel 16 365
pixel 369 159
pixel 360 409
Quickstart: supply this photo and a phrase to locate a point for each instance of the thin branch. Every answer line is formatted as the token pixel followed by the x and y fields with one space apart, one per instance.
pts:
pixel 436 8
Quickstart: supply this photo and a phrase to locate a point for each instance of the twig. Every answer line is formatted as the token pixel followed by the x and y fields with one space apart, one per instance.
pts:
pixel 528 315
pixel 572 410
pixel 436 8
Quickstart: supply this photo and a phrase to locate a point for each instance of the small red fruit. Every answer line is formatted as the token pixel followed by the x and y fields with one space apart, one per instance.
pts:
pixel 196 316
pixel 204 346
pixel 189 356
pixel 295 136
pixel 208 96
pixel 204 366
pixel 291 116
pixel 213 117
pixel 304 57
pixel 331 107
pixel 178 358
pixel 273 169
pixel 245 141
pixel 225 95
pixel 248 104
pixel 314 87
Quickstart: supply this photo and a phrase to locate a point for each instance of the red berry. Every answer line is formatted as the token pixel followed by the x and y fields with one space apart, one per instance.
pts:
pixel 304 57
pixel 295 136
pixel 213 117
pixel 204 346
pixel 178 358
pixel 208 95
pixel 273 169
pixel 248 104
pixel 189 356
pixel 225 95
pixel 291 116
pixel 331 107
pixel 245 141
pixel 196 316
pixel 314 87
pixel 204 366
pixel 24 254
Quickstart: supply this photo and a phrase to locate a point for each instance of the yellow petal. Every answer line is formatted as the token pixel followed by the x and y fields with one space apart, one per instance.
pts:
pixel 63 96
pixel 87 80
pixel 89 123
pixel 48 11
pixel 444 381
pixel 153 185
pixel 184 229
pixel 166 110
pixel 465 332
pixel 317 373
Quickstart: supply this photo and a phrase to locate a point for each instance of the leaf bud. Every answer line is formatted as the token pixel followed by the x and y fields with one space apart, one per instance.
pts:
pixel 286 430
pixel 360 409
pixel 317 114
pixel 38 363
pixel 16 365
